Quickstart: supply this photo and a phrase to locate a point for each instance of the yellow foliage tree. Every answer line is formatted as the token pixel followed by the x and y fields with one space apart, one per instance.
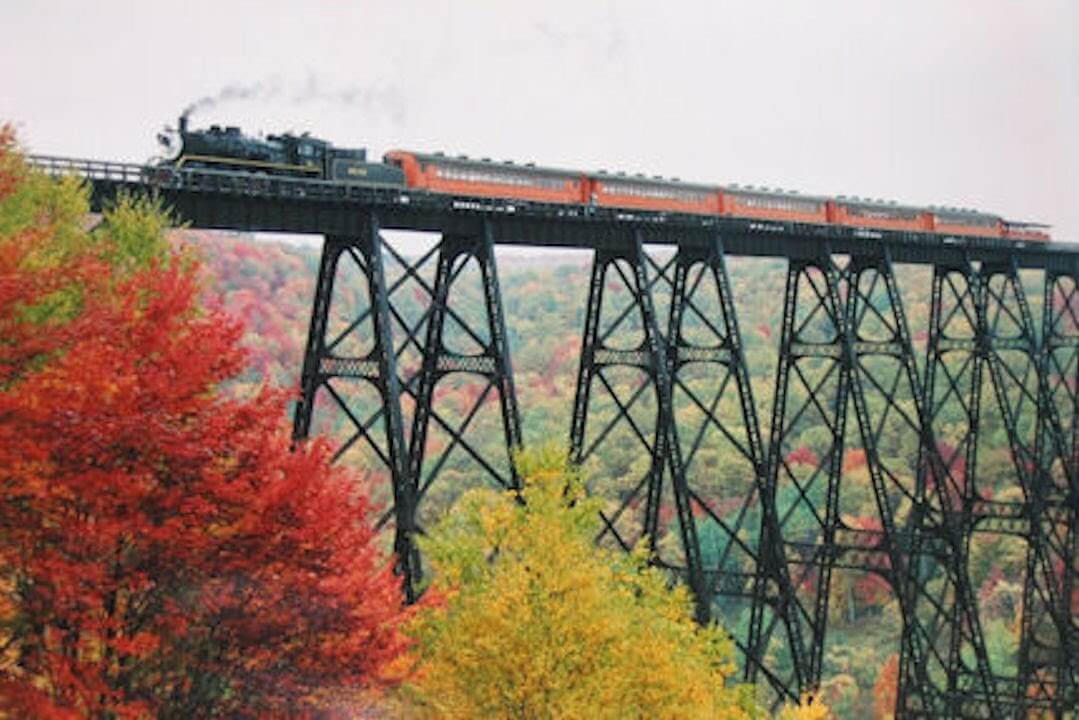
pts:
pixel 534 621
pixel 810 708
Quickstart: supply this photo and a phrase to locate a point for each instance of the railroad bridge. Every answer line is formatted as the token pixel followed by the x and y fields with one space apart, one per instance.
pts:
pixel 846 367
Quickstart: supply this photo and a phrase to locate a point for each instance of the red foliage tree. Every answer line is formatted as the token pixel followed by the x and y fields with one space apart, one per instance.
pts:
pixel 163 552
pixel 803 455
pixel 948 481
pixel 886 688
pixel 870 588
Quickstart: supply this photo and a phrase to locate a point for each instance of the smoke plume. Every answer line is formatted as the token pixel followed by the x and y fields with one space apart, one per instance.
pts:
pixel 384 100
pixel 266 90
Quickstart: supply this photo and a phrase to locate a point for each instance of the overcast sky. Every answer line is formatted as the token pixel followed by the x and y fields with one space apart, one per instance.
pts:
pixel 946 102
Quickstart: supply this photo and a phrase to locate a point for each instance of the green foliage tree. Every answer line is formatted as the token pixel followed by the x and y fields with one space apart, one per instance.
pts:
pixel 133 232
pixel 33 200
pixel 535 622
pixel 130 236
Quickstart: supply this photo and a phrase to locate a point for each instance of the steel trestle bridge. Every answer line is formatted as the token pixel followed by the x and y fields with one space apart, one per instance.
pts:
pixel 847 369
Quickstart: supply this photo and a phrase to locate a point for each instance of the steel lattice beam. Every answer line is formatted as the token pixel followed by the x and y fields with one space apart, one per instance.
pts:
pixel 1010 351
pixel 1060 529
pixel 323 362
pixel 811 389
pixel 982 336
pixel 705 351
pixel 944 669
pixel 845 337
pixel 629 271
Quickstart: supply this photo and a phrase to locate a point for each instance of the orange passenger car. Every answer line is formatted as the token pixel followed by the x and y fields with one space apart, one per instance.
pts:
pixel 483 178
pixel 879 214
pixel 948 221
pixel 766 205
pixel 466 177
pixel 657 194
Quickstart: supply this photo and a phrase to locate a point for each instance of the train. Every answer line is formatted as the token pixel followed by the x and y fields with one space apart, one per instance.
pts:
pixel 228 148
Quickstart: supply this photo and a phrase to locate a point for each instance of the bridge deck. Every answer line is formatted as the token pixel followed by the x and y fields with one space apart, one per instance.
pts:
pixel 255 202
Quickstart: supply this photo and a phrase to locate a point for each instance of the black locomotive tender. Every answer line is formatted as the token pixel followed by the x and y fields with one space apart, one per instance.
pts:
pixel 227 148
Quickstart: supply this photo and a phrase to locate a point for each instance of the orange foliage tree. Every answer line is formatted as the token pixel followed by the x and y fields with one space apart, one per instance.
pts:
pixel 163 553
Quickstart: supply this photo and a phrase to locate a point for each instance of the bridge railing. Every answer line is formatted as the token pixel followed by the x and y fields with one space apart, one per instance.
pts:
pixel 89 169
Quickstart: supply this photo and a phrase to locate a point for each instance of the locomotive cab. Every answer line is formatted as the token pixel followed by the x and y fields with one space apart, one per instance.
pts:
pixel 301 153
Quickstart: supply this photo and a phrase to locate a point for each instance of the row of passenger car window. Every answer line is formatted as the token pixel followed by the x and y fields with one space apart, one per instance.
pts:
pixel 500 177
pixel 778 202
pixel 882 213
pixel 662 192
pixel 969 219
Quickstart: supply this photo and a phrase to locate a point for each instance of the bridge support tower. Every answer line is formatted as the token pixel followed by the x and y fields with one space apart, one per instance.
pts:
pixel 380 328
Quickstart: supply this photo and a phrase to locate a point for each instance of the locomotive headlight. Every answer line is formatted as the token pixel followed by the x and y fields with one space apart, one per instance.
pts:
pixel 172 143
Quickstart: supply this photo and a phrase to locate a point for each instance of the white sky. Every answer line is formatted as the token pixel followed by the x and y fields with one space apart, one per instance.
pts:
pixel 972 103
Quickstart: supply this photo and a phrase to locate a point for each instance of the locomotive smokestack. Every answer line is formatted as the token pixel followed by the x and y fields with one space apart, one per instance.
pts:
pixel 183 124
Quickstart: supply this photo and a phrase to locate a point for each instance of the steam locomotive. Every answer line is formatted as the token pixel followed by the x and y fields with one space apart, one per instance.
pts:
pixel 227 148
pixel 304 156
